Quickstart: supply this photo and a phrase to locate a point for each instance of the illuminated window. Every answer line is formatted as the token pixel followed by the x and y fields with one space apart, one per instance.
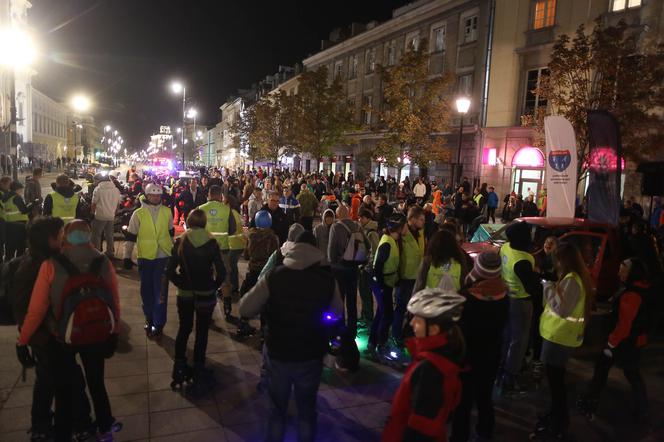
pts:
pixel 545 14
pixel 619 5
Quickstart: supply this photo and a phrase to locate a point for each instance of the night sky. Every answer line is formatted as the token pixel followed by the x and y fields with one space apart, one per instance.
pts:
pixel 124 53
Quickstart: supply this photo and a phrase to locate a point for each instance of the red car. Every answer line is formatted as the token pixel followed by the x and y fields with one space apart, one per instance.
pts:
pixel 598 242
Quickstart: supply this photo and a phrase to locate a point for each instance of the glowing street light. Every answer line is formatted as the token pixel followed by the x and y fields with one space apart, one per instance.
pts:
pixel 192 113
pixel 177 88
pixel 462 105
pixel 17 49
pixel 107 128
pixel 81 103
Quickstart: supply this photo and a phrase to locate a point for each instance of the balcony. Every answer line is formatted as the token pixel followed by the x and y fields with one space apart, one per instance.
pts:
pixel 541 36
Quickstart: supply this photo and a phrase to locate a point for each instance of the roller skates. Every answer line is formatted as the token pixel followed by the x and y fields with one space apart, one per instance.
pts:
pixel 228 308
pixel 245 330
pixel 586 407
pixel 537 373
pixel 182 374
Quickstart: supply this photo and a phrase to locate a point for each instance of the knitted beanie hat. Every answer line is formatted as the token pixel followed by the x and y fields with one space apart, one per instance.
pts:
pixel 487 266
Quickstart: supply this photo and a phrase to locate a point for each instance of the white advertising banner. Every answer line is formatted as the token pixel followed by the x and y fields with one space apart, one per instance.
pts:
pixel 561 166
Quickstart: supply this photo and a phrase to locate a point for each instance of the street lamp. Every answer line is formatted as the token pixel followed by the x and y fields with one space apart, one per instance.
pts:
pixel 462 105
pixel 107 128
pixel 17 51
pixel 178 88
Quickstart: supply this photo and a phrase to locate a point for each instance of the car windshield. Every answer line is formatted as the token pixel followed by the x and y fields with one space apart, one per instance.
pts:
pixel 538 234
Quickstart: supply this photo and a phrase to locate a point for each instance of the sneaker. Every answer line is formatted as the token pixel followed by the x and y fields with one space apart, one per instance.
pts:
pixel 586 407
pixel 245 330
pixel 84 435
pixel 511 387
pixel 106 437
pixel 40 436
pixel 537 371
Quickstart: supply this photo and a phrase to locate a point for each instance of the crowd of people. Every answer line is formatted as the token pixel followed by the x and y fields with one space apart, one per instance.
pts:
pixel 462 327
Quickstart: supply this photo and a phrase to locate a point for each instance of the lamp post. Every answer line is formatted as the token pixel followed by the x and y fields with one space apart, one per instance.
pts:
pixel 178 88
pixel 17 51
pixel 462 105
pixel 80 103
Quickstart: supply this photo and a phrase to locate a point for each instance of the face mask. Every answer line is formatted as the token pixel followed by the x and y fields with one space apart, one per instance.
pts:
pixel 78 237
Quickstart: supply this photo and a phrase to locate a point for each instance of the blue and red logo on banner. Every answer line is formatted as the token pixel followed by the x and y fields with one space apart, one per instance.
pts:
pixel 559 160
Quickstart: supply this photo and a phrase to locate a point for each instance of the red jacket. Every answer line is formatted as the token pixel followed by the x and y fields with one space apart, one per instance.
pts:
pixel 430 378
pixel 629 320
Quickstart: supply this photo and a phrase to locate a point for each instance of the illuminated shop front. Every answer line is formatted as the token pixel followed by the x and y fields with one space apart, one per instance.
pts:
pixel 528 171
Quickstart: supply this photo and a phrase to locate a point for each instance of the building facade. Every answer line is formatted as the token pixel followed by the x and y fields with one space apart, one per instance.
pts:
pixel 48 127
pixel 524 32
pixel 456 33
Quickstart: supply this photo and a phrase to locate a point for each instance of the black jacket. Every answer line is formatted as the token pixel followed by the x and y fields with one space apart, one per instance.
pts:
pixel 188 201
pixel 199 266
pixel 280 223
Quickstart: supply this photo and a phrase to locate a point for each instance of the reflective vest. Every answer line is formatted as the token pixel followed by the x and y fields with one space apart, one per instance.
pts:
pixel 478 198
pixel 237 241
pixel 411 258
pixel 12 213
pixel 451 268
pixel 565 331
pixel 2 207
pixel 391 267
pixel 217 221
pixel 509 258
pixel 153 237
pixel 63 207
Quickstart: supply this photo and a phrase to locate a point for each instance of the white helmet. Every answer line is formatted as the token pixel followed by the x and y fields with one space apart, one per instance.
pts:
pixel 433 303
pixel 153 189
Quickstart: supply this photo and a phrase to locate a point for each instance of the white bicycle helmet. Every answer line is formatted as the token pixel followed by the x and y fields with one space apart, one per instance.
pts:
pixel 153 189
pixel 433 303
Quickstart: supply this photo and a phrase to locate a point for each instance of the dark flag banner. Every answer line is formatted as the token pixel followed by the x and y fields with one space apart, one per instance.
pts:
pixel 604 167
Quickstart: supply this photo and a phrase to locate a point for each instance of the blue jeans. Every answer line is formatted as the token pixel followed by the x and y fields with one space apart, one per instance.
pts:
pixel 380 327
pixel 404 292
pixel 154 290
pixel 231 258
pixel 346 277
pixel 304 378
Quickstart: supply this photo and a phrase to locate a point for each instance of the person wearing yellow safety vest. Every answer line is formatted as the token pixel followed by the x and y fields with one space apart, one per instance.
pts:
pixel 219 221
pixel 385 278
pixel 16 220
pixel 567 306
pixel 522 282
pixel 151 229
pixel 413 246
pixel 64 201
pixel 444 259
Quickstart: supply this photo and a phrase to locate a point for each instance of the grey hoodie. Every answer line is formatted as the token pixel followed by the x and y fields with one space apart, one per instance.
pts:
pixel 298 257
pixel 339 236
pixel 322 235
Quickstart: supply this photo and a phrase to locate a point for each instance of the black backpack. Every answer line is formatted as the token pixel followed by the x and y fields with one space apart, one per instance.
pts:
pixel 7 272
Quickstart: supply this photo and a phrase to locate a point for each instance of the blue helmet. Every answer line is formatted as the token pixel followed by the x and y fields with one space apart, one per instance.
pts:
pixel 263 219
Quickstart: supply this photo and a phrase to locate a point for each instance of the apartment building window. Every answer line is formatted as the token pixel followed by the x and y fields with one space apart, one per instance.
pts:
pixel 533 101
pixel 620 5
pixel 367 108
pixel 413 41
pixel 465 86
pixel 391 55
pixel 545 14
pixel 370 60
pixel 470 29
pixel 439 39
pixel 338 68
pixel 353 67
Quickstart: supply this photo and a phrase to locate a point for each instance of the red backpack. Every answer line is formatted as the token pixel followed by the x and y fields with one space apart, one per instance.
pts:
pixel 86 314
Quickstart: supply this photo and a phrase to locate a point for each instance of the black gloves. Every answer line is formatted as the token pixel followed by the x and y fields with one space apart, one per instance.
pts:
pixel 24 356
pixel 128 264
pixel 111 346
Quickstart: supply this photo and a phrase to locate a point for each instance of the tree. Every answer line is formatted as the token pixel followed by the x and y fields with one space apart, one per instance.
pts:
pixel 417 110
pixel 609 70
pixel 323 116
pixel 265 130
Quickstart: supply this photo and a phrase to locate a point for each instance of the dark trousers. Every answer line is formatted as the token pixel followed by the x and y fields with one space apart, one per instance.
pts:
pixel 477 387
pixel 628 359
pixel 404 292
pixel 154 290
pixel 15 234
pixel 380 326
pixel 304 379
pixel 555 375
pixel 366 297
pixel 44 391
pixel 65 366
pixel 535 336
pixel 346 277
pixel 491 214
pixel 187 308
pixel 307 222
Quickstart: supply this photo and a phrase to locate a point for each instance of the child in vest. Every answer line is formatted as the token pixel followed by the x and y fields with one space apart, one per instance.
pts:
pixel 430 389
pixel 151 229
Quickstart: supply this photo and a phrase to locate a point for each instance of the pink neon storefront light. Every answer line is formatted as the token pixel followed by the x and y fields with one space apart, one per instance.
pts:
pixel 528 156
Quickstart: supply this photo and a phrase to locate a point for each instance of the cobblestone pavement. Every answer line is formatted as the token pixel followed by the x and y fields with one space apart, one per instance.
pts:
pixel 352 407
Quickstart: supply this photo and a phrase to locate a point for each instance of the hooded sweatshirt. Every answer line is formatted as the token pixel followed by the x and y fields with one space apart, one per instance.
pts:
pixel 262 242
pixel 194 261
pixel 296 330
pixel 106 198
pixel 277 257
pixel 322 234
